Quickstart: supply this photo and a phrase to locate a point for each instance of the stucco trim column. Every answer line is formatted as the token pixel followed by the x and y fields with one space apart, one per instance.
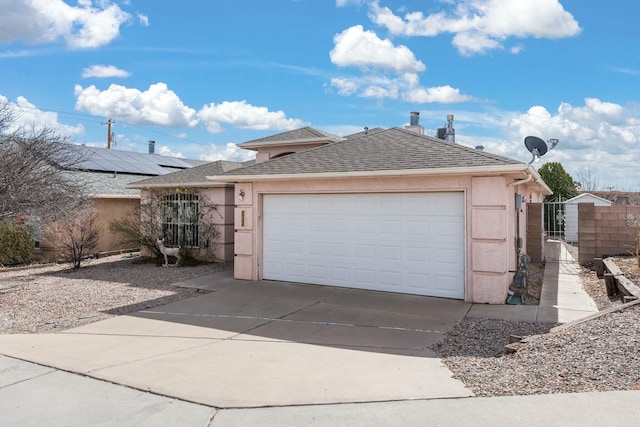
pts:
pixel 244 260
pixel 490 222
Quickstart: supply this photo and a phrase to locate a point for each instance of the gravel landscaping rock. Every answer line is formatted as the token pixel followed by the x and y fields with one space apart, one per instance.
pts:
pixel 54 297
pixel 597 355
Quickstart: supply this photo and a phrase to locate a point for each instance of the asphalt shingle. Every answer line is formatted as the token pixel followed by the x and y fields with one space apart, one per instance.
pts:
pixel 191 176
pixel 302 134
pixel 391 149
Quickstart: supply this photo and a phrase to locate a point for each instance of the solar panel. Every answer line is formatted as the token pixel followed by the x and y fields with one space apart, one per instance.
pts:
pixel 102 159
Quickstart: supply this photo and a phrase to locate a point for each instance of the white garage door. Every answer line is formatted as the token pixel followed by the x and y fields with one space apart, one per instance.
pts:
pixel 410 243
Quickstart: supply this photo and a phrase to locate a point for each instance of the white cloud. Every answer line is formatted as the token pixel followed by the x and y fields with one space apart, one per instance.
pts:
pixel 103 71
pixel 345 86
pixel 46 21
pixel 406 86
pixel 442 94
pixel 229 152
pixel 158 105
pixel 364 49
pixel 343 3
pixel 28 116
pixel 595 124
pixel 389 71
pixel 143 19
pixel 483 25
pixel 244 115
pixel 164 150
pixel 602 135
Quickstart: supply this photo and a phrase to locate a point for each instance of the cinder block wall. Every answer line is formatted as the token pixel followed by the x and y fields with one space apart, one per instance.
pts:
pixel 535 232
pixel 606 230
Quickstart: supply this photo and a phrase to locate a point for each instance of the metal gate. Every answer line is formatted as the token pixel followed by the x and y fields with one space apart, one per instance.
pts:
pixel 556 247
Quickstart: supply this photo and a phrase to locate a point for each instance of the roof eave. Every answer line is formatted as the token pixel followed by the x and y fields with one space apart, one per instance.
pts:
pixel 180 185
pixel 463 170
pixel 114 196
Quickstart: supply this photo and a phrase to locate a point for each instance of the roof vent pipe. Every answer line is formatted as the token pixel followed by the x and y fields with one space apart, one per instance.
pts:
pixel 414 123
pixel 152 146
pixel 415 119
pixel 450 132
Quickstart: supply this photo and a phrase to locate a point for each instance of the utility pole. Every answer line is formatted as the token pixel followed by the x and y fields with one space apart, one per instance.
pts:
pixel 109 122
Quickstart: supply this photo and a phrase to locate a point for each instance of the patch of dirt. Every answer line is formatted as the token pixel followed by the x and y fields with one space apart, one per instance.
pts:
pixel 630 268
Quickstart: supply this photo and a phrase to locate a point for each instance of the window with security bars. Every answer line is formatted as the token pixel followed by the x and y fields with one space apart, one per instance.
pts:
pixel 180 216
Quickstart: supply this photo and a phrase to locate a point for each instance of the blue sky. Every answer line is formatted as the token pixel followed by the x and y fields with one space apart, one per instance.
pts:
pixel 200 76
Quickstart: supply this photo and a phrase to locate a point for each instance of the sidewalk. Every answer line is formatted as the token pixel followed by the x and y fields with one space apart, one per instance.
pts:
pixel 562 300
pixel 34 395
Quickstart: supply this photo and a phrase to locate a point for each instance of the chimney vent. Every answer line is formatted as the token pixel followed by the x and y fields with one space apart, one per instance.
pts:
pixel 415 118
pixel 448 133
pixel 414 123
pixel 152 146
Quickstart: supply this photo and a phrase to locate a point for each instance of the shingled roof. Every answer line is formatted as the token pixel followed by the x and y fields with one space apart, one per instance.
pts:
pixel 391 149
pixel 300 136
pixel 195 176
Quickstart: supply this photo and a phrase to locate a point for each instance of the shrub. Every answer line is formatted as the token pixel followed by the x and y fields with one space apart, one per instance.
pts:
pixel 16 244
pixel 76 235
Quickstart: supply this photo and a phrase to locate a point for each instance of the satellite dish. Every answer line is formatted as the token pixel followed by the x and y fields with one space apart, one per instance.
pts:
pixel 537 147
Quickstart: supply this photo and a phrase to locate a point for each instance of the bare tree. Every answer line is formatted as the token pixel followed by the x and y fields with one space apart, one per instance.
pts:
pixel 75 235
pixel 183 218
pixel 587 180
pixel 34 165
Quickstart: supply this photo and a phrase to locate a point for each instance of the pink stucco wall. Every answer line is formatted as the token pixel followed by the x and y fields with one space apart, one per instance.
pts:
pixel 490 222
pixel 223 198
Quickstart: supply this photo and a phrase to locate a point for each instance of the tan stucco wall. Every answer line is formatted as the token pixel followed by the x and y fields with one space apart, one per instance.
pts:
pixel 109 210
pixel 489 210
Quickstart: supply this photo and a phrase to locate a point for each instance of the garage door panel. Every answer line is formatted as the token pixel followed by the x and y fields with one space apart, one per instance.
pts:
pixel 365 252
pixel 363 277
pixel 340 249
pixel 391 279
pixel 411 243
pixel 364 227
pixel 389 254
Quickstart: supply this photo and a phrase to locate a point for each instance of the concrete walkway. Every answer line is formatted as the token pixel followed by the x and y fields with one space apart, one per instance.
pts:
pixel 563 299
pixel 305 354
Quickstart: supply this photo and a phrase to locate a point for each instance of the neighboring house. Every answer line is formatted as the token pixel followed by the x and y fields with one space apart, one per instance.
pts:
pixel 104 175
pixel 194 188
pixel 390 210
pixel 571 213
pixel 619 198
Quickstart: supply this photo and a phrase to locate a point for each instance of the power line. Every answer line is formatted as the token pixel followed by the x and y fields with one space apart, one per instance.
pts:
pixel 96 119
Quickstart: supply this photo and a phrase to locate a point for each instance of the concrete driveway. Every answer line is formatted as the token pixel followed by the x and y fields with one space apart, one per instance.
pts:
pixel 256 344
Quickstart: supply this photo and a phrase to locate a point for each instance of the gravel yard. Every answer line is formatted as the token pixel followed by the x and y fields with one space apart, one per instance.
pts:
pixel 601 354
pixel 54 297
pixel 598 355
